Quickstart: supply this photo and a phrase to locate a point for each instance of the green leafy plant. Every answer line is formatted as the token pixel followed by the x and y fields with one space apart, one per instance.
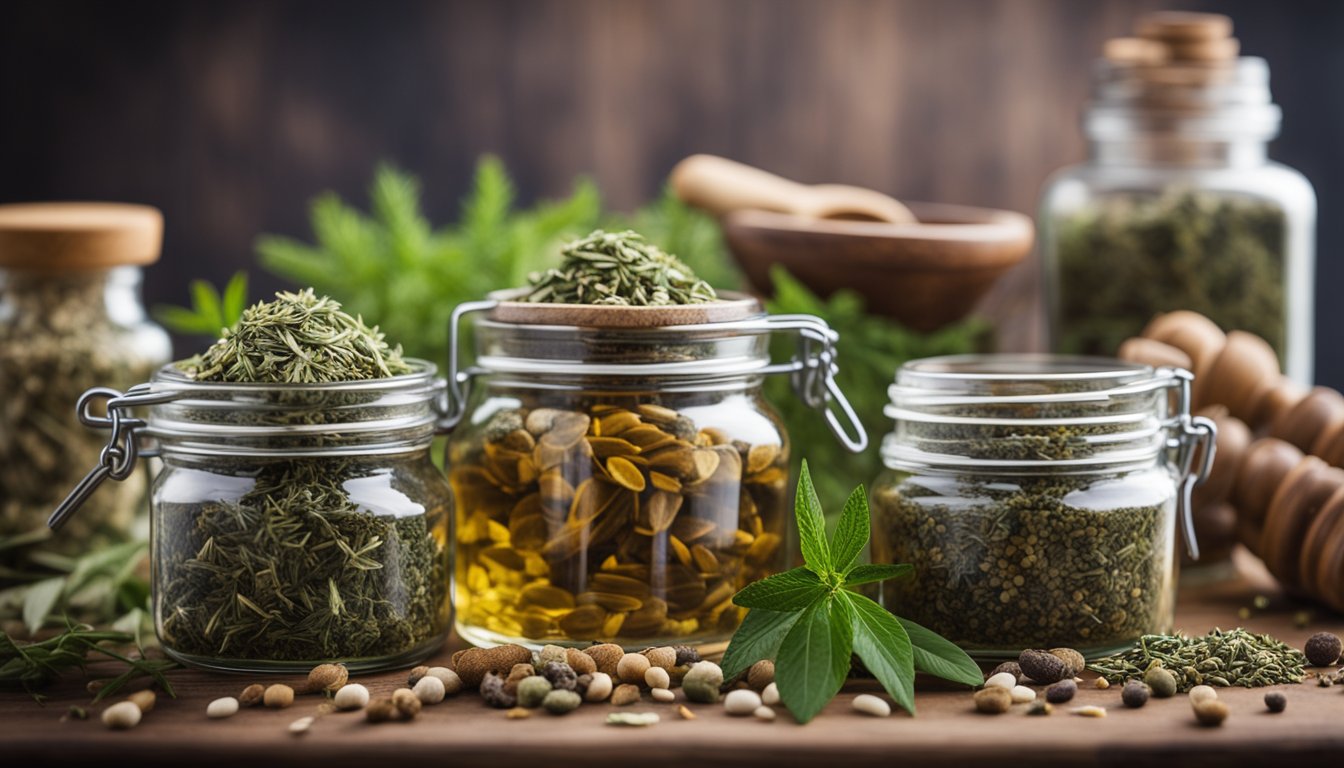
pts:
pixel 32 665
pixel 810 621
pixel 211 311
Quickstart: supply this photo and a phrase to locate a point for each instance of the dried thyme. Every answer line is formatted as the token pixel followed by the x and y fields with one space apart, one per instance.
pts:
pixel 299 338
pixel 1129 257
pixel 56 341
pixel 311 559
pixel 618 269
pixel 1232 658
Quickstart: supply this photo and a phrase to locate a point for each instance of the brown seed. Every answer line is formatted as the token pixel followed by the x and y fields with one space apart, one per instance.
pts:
pixel 380 710
pixel 1210 712
pixel 685 712
pixel 580 662
pixel 625 473
pixel 327 678
pixel 631 668
pixel 518 713
pixel 761 674
pixel 252 695
pixel 144 700
pixel 416 674
pixel 993 701
pixel 1072 659
pixel 406 702
pixel 625 695
pixel 472 664
pixel 664 656
pixel 278 696
pixel 606 657
pixel 1043 667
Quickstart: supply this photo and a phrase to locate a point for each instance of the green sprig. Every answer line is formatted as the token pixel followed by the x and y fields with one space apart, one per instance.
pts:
pixel 810 621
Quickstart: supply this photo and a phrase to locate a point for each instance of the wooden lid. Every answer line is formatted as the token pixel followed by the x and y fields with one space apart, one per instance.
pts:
pixel 76 236
pixel 730 306
pixel 1171 26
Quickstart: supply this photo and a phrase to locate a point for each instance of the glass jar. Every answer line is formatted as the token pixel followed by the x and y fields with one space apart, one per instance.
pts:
pixel 70 319
pixel 1037 498
pixel 1178 207
pixel 291 524
pixel 621 484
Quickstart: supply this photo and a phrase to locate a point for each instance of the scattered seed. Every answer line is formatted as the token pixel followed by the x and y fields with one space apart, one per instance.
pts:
pixel 1089 711
pixel 380 710
pixel 663 695
pixel 416 674
pixel 685 712
pixel 741 703
pixel 1021 694
pixel 352 696
pixel 1276 702
pixel 518 713
pixel 1040 708
pixel 1004 680
pixel 632 719
pixel 1202 693
pixel 278 696
pixel 664 656
pixel 1322 649
pixel 406 702
pixel 1210 712
pixel 869 704
pixel 429 690
pixel 761 674
pixel 1011 667
pixel 1073 660
pixel 1134 694
pixel 1043 666
pixel 770 696
pixel 702 682
pixel 327 678
pixel 1161 681
pixel 252 695
pixel 1061 692
pixel 452 684
pixel 221 708
pixel 599 688
pixel 625 695
pixel 657 677
pixel 764 713
pixel 1102 683
pixel 301 726
pixel 631 668
pixel 560 702
pixel 122 716
pixel 993 700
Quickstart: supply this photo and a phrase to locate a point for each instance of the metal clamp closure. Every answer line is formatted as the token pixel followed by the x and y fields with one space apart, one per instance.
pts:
pixel 1191 437
pixel 118 457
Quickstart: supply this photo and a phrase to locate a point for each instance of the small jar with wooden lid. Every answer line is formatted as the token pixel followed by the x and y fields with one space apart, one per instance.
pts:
pixel 1177 205
pixel 71 318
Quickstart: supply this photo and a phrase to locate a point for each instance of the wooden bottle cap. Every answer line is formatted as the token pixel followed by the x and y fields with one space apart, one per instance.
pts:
pixel 1172 26
pixel 54 237
pixel 1215 50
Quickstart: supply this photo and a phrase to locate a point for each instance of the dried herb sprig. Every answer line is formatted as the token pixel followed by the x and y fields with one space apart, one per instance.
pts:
pixel 618 268
pixel 1235 657
pixel 300 338
pixel 32 665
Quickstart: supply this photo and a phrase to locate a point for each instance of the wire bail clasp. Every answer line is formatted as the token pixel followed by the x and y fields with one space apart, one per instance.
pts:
pixel 1194 436
pixel 812 374
pixel 118 457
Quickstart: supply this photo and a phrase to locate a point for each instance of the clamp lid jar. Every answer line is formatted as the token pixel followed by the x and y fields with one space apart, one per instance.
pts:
pixel 618 473
pixel 292 524
pixel 1037 498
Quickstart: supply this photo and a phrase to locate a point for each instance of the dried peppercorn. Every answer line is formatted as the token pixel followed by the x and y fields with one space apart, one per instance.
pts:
pixel 560 675
pixel 492 691
pixel 1322 649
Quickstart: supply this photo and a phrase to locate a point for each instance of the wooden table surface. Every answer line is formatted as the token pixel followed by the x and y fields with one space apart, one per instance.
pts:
pixel 463 731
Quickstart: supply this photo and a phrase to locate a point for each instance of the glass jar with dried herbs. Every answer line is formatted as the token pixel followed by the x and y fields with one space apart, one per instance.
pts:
pixel 70 319
pixel 1178 207
pixel 617 472
pixel 298 517
pixel 1037 498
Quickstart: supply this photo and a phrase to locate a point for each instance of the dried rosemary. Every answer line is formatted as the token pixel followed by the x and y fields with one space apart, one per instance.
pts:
pixel 618 269
pixel 1235 657
pixel 299 338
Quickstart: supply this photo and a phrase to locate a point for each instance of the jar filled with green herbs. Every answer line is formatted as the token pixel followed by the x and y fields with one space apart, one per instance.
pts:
pixel 619 475
pixel 1037 498
pixel 1177 205
pixel 298 517
pixel 70 319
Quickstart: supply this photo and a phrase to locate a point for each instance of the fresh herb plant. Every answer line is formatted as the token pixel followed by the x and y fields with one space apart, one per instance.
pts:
pixel 211 310
pixel 810 621
pixel 32 665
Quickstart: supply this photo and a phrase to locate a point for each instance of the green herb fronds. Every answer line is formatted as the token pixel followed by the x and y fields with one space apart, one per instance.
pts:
pixel 33 665
pixel 211 310
pixel 618 268
pixel 810 621
pixel 1221 658
pixel 300 338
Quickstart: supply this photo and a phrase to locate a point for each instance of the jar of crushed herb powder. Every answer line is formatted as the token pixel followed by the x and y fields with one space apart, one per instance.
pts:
pixel 298 517
pixel 617 472
pixel 70 319
pixel 1037 499
pixel 1178 207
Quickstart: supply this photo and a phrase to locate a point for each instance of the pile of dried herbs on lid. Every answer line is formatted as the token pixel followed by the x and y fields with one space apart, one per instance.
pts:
pixel 618 268
pixel 300 559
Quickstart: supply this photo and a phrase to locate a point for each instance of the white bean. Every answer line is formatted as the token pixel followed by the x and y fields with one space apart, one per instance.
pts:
pixel 663 694
pixel 741 703
pixel 770 696
pixel 1022 694
pixel 1002 680
pixel 225 707
pixel 869 704
pixel 429 690
pixel 122 715
pixel 351 696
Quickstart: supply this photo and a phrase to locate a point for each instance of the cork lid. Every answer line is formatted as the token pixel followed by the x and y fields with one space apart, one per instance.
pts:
pixel 77 236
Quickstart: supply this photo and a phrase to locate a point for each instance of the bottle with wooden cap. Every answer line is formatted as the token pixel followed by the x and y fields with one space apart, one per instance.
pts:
pixel 1177 206
pixel 71 318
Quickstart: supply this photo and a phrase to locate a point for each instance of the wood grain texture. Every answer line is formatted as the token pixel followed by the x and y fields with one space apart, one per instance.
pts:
pixel 947 731
pixel 232 115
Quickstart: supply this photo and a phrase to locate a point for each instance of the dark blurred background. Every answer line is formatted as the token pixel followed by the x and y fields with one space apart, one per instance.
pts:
pixel 231 115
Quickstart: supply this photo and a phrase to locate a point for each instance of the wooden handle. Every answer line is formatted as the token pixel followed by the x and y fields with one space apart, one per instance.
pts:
pixel 721 186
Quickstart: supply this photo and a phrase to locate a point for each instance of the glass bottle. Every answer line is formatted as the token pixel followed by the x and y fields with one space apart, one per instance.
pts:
pixel 71 318
pixel 1178 207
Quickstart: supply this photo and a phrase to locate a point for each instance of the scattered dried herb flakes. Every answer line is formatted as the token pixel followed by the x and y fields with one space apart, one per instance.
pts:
pixel 1232 658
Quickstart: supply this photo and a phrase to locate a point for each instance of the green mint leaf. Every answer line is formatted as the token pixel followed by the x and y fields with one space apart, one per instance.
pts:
pixel 939 657
pixel 206 300
pixel 811 526
pixel 788 591
pixel 867 574
pixel 884 647
pixel 758 637
pixel 813 660
pixel 852 532
pixel 235 299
